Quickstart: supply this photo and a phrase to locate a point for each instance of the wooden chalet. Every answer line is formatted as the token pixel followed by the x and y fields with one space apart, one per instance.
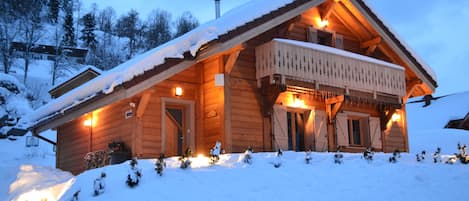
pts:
pixel 310 74
pixel 81 77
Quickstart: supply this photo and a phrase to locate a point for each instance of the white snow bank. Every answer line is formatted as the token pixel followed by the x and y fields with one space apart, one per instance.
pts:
pixel 175 48
pixel 231 179
pixel 338 52
pixel 40 183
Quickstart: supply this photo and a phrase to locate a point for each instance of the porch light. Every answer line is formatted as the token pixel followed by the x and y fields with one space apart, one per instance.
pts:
pixel 323 23
pixel 88 122
pixel 178 91
pixel 396 117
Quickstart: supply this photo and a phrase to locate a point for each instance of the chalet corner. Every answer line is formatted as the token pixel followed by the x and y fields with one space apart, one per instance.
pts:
pixel 295 75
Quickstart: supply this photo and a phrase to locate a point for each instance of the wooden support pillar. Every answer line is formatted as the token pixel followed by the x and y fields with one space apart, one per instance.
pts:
pixel 333 106
pixel 410 87
pixel 371 45
pixel 386 113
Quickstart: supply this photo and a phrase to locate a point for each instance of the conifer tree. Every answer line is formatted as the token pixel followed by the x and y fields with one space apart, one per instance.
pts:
pixel 185 23
pixel 88 36
pixel 53 13
pixel 69 32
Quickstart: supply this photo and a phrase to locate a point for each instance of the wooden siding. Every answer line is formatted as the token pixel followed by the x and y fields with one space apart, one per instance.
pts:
pixel 246 118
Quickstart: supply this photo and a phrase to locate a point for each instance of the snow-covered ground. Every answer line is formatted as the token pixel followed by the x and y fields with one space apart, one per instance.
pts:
pixel 231 179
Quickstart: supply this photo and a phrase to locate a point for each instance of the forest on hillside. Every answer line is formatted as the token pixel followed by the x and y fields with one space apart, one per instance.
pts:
pixel 64 24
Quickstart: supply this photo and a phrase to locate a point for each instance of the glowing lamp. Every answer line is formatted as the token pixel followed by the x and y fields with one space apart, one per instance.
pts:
pixel 323 23
pixel 396 117
pixel 88 122
pixel 178 91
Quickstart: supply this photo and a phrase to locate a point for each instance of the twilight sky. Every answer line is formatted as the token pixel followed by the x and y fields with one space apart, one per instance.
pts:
pixel 436 30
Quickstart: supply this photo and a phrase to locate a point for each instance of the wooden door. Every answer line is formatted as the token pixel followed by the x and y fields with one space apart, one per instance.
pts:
pixel 175 126
pixel 320 130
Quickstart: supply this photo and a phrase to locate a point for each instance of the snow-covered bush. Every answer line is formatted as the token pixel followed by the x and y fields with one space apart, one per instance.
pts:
pixel 278 159
pixel 99 184
pixel 368 154
pixel 160 164
pixel 135 173
pixel 395 155
pixel 215 152
pixel 437 155
pixel 185 159
pixel 247 158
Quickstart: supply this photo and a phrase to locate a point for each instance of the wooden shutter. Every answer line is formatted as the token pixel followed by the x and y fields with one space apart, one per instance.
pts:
pixel 280 129
pixel 339 41
pixel 320 130
pixel 375 133
pixel 312 35
pixel 342 130
pixel 365 132
pixel 309 130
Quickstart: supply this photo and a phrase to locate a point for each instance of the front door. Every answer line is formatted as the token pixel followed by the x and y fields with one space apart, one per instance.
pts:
pixel 175 127
pixel 296 130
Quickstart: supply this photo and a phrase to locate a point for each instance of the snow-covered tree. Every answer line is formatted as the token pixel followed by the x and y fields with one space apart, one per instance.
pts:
pixel 9 30
pixel 69 32
pixel 185 23
pixel 88 36
pixel 128 26
pixel 99 184
pixel 135 173
pixel 31 30
pixel 158 30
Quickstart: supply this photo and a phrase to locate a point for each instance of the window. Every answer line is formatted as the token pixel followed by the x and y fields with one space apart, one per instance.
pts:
pixel 357 131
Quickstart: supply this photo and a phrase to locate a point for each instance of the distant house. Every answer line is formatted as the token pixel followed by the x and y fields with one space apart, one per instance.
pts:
pixel 292 75
pixel 48 52
pixel 81 77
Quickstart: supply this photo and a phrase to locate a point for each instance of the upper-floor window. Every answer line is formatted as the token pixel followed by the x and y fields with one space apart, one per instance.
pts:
pixel 324 37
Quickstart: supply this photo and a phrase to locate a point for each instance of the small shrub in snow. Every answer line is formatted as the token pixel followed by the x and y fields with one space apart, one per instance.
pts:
pixel 215 152
pixel 368 154
pixel 338 157
pixel 421 156
pixel 185 159
pixel 160 164
pixel 308 157
pixel 248 155
pixel 437 155
pixel 463 157
pixel 452 159
pixel 395 155
pixel 134 173
pixel 277 161
pixel 75 195
pixel 99 185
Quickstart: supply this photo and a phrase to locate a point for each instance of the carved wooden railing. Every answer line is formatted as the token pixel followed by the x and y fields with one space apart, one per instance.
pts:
pixel 328 66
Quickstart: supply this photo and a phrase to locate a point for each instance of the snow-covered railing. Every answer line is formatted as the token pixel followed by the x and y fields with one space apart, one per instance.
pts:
pixel 329 66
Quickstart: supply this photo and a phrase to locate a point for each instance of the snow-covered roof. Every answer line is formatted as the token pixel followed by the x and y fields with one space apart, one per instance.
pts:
pixel 338 52
pixel 190 42
pixel 75 74
pixel 175 48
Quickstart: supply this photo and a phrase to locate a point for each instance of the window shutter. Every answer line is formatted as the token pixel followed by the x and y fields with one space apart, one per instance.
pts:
pixel 320 130
pixel 280 129
pixel 339 41
pixel 365 132
pixel 342 130
pixel 312 35
pixel 375 133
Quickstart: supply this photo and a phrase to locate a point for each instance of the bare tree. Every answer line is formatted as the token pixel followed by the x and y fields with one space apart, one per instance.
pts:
pixel 185 23
pixel 9 29
pixel 158 28
pixel 31 27
pixel 128 26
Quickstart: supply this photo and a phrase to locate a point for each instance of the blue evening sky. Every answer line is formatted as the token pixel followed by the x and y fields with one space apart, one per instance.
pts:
pixel 436 30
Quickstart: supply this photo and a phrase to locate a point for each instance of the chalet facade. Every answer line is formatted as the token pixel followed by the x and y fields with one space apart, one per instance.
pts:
pixel 49 52
pixel 306 74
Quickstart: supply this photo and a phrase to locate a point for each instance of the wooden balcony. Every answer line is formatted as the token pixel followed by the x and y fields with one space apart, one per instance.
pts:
pixel 324 65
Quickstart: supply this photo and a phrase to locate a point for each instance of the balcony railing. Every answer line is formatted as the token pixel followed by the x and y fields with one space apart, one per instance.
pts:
pixel 328 66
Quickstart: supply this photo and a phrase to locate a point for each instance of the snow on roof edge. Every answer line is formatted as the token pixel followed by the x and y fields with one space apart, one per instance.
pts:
pixel 175 48
pixel 339 52
pixel 424 65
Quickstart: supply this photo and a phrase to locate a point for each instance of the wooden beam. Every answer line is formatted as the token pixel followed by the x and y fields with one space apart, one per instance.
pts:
pixel 370 50
pixel 372 42
pixel 410 87
pixel 326 12
pixel 142 105
pixel 333 106
pixel 45 139
pixel 269 94
pixel 231 61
